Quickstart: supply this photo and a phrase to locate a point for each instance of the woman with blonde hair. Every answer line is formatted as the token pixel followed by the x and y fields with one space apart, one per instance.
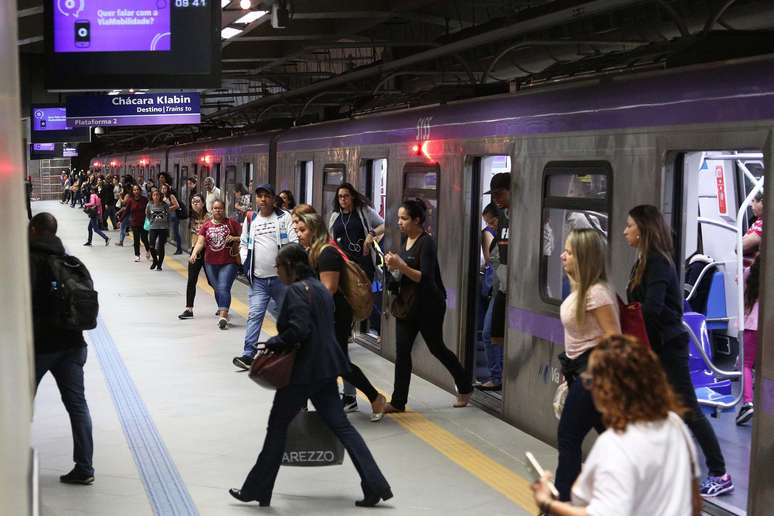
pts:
pixel 645 438
pixel 588 314
pixel 328 262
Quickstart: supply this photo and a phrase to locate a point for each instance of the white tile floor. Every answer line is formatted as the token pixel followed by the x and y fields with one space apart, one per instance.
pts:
pixel 212 419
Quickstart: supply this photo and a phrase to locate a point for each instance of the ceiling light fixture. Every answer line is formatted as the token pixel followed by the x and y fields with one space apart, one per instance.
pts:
pixel 245 4
pixel 251 17
pixel 229 32
pixel 224 3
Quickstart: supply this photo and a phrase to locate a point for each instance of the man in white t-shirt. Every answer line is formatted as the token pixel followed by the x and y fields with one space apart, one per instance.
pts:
pixel 213 193
pixel 264 232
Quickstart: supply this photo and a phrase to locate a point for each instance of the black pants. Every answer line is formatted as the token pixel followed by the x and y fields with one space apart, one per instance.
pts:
pixel 578 418
pixel 158 240
pixel 259 483
pixel 430 325
pixel 193 277
pixel 343 328
pixel 139 233
pixel 674 359
pixel 67 369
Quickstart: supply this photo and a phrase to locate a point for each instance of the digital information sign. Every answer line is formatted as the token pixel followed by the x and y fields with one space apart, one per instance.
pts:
pixel 44 147
pixel 112 26
pixel 96 45
pixel 49 119
pixel 49 124
pixel 122 110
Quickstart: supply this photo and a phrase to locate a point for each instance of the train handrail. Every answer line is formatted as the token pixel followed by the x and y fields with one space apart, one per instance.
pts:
pixel 717 223
pixel 703 273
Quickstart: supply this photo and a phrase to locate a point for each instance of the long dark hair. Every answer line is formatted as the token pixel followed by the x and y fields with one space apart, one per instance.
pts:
pixel 291 200
pixel 655 237
pixel 295 260
pixel 358 200
pixel 751 288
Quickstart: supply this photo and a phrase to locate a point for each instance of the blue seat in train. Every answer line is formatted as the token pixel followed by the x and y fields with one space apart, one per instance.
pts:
pixel 707 387
pixel 717 312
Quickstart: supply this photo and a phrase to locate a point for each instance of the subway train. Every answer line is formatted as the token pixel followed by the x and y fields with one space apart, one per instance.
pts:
pixel 694 142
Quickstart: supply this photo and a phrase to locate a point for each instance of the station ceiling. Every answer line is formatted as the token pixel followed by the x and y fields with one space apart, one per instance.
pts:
pixel 341 58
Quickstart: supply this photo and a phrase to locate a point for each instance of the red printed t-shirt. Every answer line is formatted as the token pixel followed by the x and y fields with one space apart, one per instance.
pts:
pixel 216 251
pixel 755 229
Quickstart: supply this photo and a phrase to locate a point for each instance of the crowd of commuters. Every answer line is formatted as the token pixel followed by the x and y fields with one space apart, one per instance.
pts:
pixel 638 396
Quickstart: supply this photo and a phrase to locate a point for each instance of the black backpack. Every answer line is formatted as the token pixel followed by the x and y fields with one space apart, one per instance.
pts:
pixel 74 304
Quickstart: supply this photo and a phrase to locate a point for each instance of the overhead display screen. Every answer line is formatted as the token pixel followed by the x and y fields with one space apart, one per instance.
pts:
pixel 45 150
pixel 112 26
pixel 49 124
pixel 123 44
pixel 145 109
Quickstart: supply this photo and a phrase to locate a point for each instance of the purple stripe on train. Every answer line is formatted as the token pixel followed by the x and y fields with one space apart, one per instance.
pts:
pixel 722 94
pixel 546 327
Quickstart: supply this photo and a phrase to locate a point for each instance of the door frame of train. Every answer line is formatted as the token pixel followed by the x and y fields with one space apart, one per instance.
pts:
pixel 756 136
pixel 473 157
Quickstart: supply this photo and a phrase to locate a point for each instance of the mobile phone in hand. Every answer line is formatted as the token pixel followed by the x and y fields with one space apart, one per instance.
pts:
pixel 537 472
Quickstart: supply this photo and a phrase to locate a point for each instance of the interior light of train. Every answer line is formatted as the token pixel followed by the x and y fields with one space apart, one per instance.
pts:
pixel 113 163
pixel 206 159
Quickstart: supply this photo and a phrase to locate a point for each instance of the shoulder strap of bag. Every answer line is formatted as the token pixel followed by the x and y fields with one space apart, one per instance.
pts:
pixel 332 243
pixel 697 501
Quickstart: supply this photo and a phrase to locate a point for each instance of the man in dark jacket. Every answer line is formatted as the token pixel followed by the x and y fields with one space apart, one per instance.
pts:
pixel 58 350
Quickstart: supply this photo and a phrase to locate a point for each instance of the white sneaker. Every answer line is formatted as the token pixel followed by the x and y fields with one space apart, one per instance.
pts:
pixel 136 258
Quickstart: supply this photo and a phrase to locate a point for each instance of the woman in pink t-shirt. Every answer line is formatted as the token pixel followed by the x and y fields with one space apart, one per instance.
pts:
pixel 751 242
pixel 588 314
pixel 751 277
pixel 93 208
pixel 219 235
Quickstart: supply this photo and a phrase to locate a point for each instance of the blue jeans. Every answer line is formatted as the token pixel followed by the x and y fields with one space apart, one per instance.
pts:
pixel 124 228
pixel 222 278
pixel 261 291
pixel 67 369
pixel 494 352
pixel 174 224
pixel 94 228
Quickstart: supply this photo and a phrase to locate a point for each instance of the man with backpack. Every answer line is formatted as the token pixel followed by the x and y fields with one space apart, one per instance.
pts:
pixel 64 303
pixel 264 232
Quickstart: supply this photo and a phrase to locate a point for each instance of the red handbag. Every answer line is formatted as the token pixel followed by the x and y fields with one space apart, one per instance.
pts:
pixel 632 321
pixel 272 370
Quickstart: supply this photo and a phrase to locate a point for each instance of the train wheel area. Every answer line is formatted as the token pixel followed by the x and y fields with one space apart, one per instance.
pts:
pixel 176 425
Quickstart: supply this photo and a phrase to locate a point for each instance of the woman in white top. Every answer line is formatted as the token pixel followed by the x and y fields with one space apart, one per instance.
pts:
pixel 645 463
pixel 585 324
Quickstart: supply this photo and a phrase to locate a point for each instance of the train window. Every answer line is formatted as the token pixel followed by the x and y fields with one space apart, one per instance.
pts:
pixel 231 172
pixel 421 181
pixel 247 170
pixel 333 175
pixel 216 174
pixel 305 182
pixel 376 183
pixel 575 195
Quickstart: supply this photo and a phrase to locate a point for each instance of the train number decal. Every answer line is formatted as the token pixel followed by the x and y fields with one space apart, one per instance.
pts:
pixel 423 128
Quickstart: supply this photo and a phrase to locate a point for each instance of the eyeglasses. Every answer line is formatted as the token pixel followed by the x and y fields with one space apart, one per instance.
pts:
pixel 587 379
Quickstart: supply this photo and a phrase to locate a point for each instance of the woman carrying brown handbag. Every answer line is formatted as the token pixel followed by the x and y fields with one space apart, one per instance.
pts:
pixel 305 323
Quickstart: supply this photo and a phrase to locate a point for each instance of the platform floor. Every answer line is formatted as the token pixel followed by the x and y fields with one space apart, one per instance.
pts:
pixel 210 419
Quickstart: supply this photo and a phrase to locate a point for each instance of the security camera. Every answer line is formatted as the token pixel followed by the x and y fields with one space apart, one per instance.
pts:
pixel 280 14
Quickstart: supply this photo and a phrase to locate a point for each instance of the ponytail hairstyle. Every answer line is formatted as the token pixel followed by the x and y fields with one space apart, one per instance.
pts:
pixel 751 286
pixel 655 237
pixel 295 260
pixel 589 250
pixel 416 208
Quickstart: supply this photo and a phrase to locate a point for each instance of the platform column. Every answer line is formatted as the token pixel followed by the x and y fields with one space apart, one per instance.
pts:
pixel 16 356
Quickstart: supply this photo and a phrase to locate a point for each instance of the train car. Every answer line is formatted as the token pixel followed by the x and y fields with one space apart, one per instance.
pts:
pixel 695 143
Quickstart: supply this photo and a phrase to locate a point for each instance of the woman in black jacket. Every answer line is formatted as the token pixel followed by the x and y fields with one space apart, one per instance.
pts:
pixel 654 284
pixel 420 306
pixel 305 323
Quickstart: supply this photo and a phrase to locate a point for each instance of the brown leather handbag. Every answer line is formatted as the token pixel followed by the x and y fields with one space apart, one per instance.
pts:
pixel 272 370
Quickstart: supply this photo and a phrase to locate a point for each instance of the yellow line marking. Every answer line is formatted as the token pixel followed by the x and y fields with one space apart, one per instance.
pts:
pixel 512 486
